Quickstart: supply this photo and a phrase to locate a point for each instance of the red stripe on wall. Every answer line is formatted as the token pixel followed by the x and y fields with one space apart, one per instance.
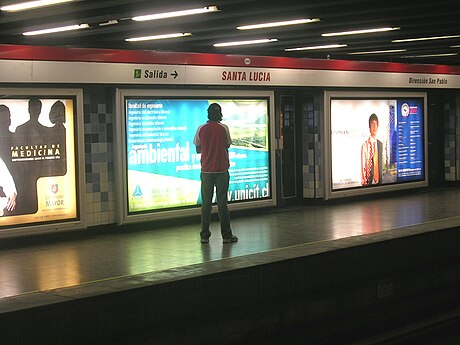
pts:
pixel 40 53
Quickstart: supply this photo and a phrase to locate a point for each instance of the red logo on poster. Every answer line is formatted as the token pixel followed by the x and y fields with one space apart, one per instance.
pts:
pixel 54 188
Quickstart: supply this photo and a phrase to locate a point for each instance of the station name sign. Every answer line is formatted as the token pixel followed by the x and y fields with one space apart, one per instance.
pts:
pixel 246 76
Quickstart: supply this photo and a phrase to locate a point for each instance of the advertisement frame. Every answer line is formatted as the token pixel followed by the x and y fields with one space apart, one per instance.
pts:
pixel 327 147
pixel 59 225
pixel 121 158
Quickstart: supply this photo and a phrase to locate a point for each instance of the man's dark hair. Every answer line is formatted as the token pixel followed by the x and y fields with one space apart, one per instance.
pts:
pixel 5 116
pixel 35 108
pixel 373 117
pixel 214 112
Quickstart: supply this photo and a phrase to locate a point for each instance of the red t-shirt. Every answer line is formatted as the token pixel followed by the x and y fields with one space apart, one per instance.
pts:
pixel 214 139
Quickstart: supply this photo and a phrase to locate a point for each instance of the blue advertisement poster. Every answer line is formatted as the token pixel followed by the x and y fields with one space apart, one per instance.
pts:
pixel 410 155
pixel 162 163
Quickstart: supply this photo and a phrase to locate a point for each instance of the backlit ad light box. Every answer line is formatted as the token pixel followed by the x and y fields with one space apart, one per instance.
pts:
pixel 375 141
pixel 40 187
pixel 159 164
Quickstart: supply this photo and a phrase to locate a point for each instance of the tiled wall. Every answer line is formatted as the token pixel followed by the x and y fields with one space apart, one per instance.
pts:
pixel 99 121
pixel 451 142
pixel 312 154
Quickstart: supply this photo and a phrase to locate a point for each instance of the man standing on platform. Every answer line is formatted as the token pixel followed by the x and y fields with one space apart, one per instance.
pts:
pixel 371 155
pixel 212 140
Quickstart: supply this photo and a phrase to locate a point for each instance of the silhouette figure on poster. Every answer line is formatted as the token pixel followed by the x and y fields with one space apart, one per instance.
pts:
pixel 28 137
pixel 8 192
pixel 32 129
pixel 56 137
pixel 5 134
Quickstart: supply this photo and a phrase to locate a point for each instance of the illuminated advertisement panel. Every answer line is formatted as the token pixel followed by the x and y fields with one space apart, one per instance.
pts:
pixel 376 141
pixel 37 160
pixel 162 166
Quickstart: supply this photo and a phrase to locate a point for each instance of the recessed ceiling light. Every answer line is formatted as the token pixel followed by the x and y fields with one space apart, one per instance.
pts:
pixel 379 52
pixel 158 37
pixel 358 32
pixel 54 30
pixel 176 13
pixel 424 38
pixel 23 6
pixel 327 46
pixel 275 24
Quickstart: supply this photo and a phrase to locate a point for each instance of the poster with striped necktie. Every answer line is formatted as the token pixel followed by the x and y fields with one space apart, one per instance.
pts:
pixel 395 128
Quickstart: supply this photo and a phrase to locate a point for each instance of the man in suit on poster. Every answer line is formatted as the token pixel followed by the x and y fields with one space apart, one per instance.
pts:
pixel 371 155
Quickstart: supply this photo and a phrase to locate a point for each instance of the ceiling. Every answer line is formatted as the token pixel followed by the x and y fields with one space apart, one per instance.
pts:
pixel 110 24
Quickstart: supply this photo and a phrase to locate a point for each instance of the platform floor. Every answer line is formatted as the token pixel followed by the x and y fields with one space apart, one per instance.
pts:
pixel 42 265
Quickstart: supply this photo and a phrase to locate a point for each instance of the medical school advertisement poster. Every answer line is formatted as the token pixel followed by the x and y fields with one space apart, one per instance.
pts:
pixel 398 136
pixel 37 160
pixel 163 168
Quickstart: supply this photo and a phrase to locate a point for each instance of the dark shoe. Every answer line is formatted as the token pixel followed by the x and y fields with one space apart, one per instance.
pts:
pixel 231 239
pixel 204 235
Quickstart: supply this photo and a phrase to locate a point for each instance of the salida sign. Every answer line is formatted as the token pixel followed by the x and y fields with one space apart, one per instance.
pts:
pixel 154 74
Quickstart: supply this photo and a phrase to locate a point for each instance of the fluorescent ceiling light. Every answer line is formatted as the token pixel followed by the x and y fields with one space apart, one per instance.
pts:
pixel 358 32
pixel 54 30
pixel 429 55
pixel 456 46
pixel 158 37
pixel 328 46
pixel 31 5
pixel 176 13
pixel 379 52
pixel 242 43
pixel 275 24
pixel 424 39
